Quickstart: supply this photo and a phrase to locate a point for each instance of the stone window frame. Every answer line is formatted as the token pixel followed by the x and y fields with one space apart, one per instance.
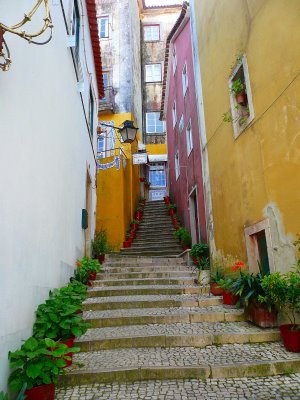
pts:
pixel 151 26
pixel 252 246
pixel 236 117
pixel 99 19
pixel 153 81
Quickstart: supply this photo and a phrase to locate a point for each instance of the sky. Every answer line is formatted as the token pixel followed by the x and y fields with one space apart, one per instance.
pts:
pixel 161 2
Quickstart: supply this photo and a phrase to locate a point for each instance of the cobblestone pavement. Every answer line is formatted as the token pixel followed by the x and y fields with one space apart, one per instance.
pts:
pixel 134 312
pixel 228 354
pixel 177 329
pixel 149 298
pixel 281 387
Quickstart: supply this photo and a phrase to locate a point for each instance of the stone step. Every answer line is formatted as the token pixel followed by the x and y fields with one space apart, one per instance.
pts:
pixel 154 242
pixel 154 246
pixel 150 301
pixel 137 316
pixel 145 269
pixel 175 335
pixel 146 290
pixel 170 249
pixel 141 260
pixel 143 275
pixel 151 252
pixel 143 282
pixel 256 388
pixel 224 361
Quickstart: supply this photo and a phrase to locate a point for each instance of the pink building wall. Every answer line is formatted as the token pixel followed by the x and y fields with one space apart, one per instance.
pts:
pixel 190 165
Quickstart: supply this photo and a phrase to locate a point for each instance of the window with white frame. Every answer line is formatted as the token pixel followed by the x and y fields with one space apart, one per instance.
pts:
pixel 153 73
pixel 181 124
pixel 106 141
pixel 105 86
pixel 157 175
pixel 174 59
pixel 177 165
pixel 153 124
pixel 189 138
pixel 174 114
pixel 185 79
pixel 103 27
pixel 91 111
pixel 75 27
pixel 242 112
pixel 151 33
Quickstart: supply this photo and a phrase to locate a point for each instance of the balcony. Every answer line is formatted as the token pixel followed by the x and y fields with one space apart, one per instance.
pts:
pixel 108 101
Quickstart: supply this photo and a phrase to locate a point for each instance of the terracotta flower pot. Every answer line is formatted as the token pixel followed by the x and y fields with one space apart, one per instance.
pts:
pixel 229 299
pixel 215 289
pixel 101 258
pixel 264 318
pixel 43 392
pixel 241 98
pixel 69 343
pixel 291 338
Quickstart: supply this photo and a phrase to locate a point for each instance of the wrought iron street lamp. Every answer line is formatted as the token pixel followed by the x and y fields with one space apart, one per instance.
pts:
pixel 127 131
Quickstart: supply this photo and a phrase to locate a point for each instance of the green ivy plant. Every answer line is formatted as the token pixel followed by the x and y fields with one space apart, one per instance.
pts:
pixel 38 362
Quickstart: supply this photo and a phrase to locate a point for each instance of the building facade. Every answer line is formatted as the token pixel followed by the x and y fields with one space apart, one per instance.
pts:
pixel 156 23
pixel 252 142
pixel 179 110
pixel 118 187
pixel 48 112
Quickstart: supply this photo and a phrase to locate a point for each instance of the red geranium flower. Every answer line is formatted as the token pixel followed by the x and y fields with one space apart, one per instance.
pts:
pixel 78 263
pixel 238 265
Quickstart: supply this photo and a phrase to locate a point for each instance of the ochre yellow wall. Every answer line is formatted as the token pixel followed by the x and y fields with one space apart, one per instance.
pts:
pixel 259 171
pixel 156 148
pixel 117 190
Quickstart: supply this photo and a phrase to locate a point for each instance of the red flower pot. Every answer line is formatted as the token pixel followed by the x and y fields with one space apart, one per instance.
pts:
pixel 138 215
pixel 195 261
pixel 291 338
pixel 171 212
pixel 135 226
pixel 69 343
pixel 176 228
pixel 43 392
pixel 93 276
pixel 229 299
pixel 167 200
pixel 142 179
pixel 126 244
pixel 174 222
pixel 132 234
pixel 146 185
pixel 216 290
pixel 185 247
pixel 101 258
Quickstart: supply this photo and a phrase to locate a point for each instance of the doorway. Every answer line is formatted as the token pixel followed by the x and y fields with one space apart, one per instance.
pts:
pixel 194 216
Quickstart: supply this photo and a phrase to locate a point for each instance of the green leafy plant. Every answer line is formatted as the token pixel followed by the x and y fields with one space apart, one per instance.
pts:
pixel 274 291
pixel 248 287
pixel 227 117
pixel 85 267
pixel 3 396
pixel 135 221
pixel 100 244
pixel 217 275
pixel 186 239
pixel 38 362
pixel 226 284
pixel 178 234
pixel 172 207
pixel 59 319
pixel 238 86
pixel 238 60
pixel 199 250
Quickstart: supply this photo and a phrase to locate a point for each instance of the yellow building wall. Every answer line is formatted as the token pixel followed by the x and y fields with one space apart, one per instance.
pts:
pixel 117 190
pixel 156 148
pixel 255 176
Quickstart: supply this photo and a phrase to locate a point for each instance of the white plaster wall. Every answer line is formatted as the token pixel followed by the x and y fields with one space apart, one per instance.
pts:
pixel 44 155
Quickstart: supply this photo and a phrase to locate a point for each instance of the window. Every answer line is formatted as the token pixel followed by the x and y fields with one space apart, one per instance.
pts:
pixel 177 166
pixel 189 138
pixel 75 27
pixel 91 112
pixel 103 27
pixel 174 114
pixel 153 73
pixel 106 141
pixel 185 80
pixel 105 86
pixel 174 59
pixel 242 112
pixel 151 33
pixel 181 124
pixel 153 124
pixel 157 176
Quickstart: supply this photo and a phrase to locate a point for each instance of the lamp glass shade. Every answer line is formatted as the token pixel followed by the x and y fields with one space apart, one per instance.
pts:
pixel 128 132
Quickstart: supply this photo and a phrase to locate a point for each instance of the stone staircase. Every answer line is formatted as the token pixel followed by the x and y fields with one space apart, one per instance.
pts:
pixel 155 234
pixel 151 323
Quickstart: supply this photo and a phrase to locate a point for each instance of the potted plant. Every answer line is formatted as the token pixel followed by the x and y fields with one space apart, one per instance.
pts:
pixel 135 224
pixel 239 89
pixel 142 179
pixel 186 240
pixel 38 363
pixel 228 297
pixel 167 200
pixel 147 184
pixel 198 251
pixel 203 268
pixel 172 209
pixel 100 245
pixel 216 277
pixel 142 201
pixel 87 269
pixel 284 291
